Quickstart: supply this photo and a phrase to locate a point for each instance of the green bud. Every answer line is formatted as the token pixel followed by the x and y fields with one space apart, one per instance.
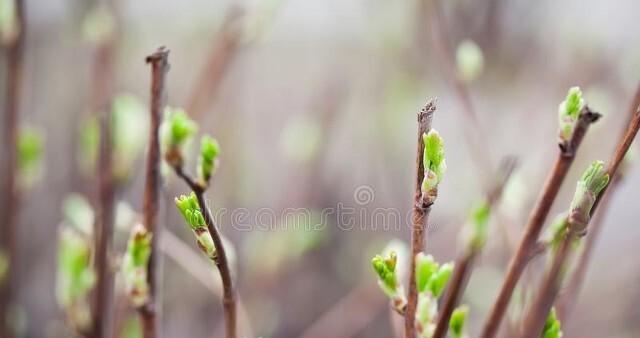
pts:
pixel 190 210
pixel 386 270
pixel 426 268
pixel 130 133
pixel 478 226
pixel 8 21
pixel 78 213
pixel 30 149
pixel 568 113
pixel 458 321
pixel 470 60
pixel 192 214
pixel 552 327
pixel 75 276
pixel 434 164
pixel 440 279
pixel 4 266
pixel 301 139
pixel 593 181
pixel 134 265
pixel 181 127
pixel 208 161
pixel 99 25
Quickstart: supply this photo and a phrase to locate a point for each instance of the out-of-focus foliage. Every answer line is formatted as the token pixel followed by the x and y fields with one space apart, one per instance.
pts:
pixel 8 21
pixel 134 265
pixel 470 60
pixel 78 213
pixel 99 25
pixel 300 139
pixel 30 153
pixel 130 133
pixel 75 277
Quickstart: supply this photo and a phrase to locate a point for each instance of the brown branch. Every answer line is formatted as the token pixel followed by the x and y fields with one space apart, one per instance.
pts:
pixel 228 293
pixel 536 220
pixel 567 298
pixel 159 68
pixel 11 193
pixel 534 322
pixel 224 49
pixel 464 264
pixel 420 218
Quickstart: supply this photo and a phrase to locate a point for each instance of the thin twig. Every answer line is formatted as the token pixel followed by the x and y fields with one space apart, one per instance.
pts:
pixel 420 218
pixel 568 296
pixel 228 298
pixel 535 319
pixel 11 193
pixel 536 220
pixel 464 264
pixel 159 68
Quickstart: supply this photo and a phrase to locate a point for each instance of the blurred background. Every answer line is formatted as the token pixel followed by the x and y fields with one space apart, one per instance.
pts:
pixel 314 104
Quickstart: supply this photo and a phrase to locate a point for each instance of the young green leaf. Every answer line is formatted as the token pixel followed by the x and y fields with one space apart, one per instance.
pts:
pixel 478 226
pixel 470 60
pixel 192 214
pixel 434 164
pixel 552 327
pixel 568 113
pixel 458 321
pixel 30 149
pixel 4 265
pixel 134 265
pixel 386 270
pixel 208 160
pixel 75 276
pixel 440 279
pixel 130 133
pixel 8 21
pixel 78 213
pixel 426 268
pixel 592 182
pixel 181 127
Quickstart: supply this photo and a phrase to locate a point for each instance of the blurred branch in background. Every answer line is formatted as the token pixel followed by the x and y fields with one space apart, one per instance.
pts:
pixel 13 39
pixel 179 252
pixel 239 28
pixel 102 84
pixel 441 44
pixel 477 236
